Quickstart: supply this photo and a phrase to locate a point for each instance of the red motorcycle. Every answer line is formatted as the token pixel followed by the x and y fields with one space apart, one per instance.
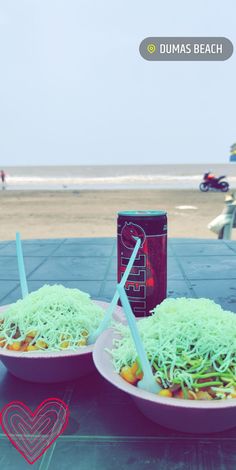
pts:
pixel 211 182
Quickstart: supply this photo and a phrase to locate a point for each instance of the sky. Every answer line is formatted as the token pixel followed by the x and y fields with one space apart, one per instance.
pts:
pixel 74 89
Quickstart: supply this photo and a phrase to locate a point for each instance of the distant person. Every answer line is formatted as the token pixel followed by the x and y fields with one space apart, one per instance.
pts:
pixel 3 178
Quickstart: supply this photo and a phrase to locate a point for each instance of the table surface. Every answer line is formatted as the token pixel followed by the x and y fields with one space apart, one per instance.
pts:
pixel 105 428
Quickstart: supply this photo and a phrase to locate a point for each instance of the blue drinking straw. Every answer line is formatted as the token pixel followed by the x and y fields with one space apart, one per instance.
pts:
pixel 107 318
pixel 21 266
pixel 148 381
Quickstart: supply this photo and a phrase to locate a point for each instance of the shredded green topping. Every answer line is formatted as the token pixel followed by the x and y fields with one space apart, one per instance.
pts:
pixel 187 341
pixel 57 318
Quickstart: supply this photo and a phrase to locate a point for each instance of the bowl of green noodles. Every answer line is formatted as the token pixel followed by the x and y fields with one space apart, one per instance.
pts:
pixel 191 346
pixel 43 337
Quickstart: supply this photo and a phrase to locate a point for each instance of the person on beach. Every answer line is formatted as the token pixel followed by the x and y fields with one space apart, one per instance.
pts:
pixel 3 178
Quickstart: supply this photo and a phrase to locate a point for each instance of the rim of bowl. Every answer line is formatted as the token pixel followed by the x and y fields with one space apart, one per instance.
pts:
pixel 105 341
pixel 118 313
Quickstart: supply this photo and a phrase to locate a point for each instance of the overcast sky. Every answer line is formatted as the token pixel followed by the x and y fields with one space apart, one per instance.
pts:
pixel 74 89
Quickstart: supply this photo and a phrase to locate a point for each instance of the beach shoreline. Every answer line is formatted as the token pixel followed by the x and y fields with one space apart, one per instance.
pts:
pixel 113 177
pixel 71 214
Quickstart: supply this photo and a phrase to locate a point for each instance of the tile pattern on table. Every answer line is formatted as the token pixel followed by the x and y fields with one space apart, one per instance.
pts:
pixel 179 288
pixel 175 241
pixel 11 459
pixel 222 292
pixel 214 267
pixel 170 251
pixel 180 454
pixel 92 240
pixel 108 290
pixel 9 268
pixel 84 250
pixel 71 268
pixel 12 296
pixel 201 249
pixel 231 244
pixel 32 394
pixel 174 271
pixel 31 249
pixel 112 272
pixel 126 454
pixel 3 244
pixel 57 241
pixel 6 288
pixel 225 455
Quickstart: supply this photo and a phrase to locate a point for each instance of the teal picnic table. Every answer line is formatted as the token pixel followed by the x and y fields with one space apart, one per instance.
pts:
pixel 106 430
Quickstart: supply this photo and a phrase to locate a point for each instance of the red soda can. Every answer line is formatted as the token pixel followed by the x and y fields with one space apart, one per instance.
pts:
pixel 146 284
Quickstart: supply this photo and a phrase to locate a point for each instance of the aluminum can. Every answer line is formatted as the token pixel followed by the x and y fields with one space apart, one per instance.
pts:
pixel 146 284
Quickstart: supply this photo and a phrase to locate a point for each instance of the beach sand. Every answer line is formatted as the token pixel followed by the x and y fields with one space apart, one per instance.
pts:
pixel 64 214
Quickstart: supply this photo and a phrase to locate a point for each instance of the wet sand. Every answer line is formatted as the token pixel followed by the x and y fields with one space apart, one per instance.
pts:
pixel 62 214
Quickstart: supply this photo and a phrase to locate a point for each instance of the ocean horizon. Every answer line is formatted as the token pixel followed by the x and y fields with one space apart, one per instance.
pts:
pixel 110 177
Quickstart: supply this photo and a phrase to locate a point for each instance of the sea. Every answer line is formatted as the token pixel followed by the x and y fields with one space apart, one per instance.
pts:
pixel 110 177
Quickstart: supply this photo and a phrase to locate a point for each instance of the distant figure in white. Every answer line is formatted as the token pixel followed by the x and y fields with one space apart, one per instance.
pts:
pixel 3 178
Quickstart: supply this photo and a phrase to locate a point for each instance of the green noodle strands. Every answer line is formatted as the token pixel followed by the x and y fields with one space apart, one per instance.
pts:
pixel 184 339
pixel 54 313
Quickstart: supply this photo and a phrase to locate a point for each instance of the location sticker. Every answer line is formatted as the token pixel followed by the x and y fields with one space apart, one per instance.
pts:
pixel 186 48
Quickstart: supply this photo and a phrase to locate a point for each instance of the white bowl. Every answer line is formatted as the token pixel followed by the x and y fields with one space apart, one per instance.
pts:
pixel 49 367
pixel 195 416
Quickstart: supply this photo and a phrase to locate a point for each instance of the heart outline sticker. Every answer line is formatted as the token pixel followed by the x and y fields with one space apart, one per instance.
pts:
pixel 33 432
